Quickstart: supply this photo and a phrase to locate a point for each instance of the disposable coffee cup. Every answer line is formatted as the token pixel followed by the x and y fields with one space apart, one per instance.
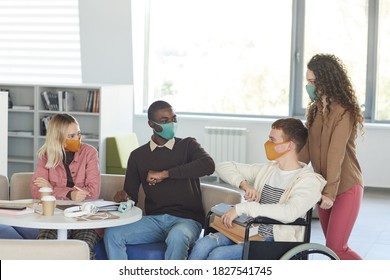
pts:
pixel 44 191
pixel 48 205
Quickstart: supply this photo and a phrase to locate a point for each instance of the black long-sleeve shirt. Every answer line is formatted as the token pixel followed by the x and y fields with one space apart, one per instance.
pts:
pixel 180 194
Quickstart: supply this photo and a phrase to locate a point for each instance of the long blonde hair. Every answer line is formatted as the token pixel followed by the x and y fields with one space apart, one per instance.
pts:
pixel 57 132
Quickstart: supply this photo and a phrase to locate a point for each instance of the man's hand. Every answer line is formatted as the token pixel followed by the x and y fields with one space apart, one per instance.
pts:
pixel 228 217
pixel 155 177
pixel 326 202
pixel 251 194
pixel 121 196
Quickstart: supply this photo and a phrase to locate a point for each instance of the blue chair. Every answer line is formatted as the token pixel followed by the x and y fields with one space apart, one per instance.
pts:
pixel 150 251
pixel 8 232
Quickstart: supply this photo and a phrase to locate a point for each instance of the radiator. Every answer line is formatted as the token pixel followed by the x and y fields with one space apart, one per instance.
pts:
pixel 226 143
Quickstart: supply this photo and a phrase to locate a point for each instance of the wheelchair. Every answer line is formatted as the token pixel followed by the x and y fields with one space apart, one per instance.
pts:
pixel 282 250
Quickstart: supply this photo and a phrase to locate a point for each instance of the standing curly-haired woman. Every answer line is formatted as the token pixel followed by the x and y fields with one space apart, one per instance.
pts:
pixel 333 121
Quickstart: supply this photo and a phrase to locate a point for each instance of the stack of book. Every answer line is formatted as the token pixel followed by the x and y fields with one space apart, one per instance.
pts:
pixel 237 231
pixel 58 101
pixel 92 101
pixel 15 208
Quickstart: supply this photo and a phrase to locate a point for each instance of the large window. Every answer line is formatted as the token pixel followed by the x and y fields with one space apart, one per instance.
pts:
pixel 248 57
pixel 383 73
pixel 224 57
pixel 339 27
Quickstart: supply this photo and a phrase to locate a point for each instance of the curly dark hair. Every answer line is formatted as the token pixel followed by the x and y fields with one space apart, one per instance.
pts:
pixel 333 82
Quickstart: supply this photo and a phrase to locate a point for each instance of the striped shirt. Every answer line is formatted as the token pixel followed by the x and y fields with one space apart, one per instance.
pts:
pixel 271 193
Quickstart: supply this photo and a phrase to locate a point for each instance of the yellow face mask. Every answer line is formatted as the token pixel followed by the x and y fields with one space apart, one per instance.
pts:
pixel 72 145
pixel 270 151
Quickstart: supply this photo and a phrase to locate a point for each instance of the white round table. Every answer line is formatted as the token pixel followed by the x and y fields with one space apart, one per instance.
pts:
pixel 62 224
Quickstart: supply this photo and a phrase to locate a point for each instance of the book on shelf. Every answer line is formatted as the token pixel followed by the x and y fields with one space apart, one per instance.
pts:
pixel 60 100
pixel 92 101
pixel 65 100
pixel 53 97
pixel 68 101
pixel 97 101
pixel 44 124
pixel 60 95
pixel 45 100
pixel 20 133
pixel 22 107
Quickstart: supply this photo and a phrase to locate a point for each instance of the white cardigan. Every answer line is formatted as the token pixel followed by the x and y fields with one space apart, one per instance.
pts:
pixel 301 194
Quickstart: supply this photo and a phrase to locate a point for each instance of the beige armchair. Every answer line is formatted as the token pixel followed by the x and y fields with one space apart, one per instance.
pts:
pixel 4 187
pixel 211 194
pixel 20 185
pixel 24 249
pixel 110 184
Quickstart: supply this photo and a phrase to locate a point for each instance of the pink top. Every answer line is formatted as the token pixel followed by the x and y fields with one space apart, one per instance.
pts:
pixel 84 169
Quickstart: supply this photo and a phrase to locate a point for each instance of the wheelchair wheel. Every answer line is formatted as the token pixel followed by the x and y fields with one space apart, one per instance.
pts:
pixel 310 251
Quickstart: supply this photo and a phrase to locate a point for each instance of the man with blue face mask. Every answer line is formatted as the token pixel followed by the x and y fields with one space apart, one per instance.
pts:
pixel 168 169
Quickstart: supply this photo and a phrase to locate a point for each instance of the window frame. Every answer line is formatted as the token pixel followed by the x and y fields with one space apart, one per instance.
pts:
pixel 297 65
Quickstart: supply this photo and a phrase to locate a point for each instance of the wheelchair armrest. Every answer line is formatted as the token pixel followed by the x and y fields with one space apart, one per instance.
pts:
pixel 264 220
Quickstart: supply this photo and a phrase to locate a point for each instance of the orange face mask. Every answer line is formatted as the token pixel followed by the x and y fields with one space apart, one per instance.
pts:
pixel 72 145
pixel 270 151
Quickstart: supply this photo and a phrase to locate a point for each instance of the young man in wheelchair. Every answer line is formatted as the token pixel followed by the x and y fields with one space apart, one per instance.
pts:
pixel 283 189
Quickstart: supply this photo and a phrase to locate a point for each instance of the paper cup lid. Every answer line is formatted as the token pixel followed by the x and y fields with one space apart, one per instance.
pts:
pixel 45 189
pixel 48 198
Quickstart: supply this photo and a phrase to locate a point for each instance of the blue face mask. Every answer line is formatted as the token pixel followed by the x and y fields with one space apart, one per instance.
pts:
pixel 311 92
pixel 168 130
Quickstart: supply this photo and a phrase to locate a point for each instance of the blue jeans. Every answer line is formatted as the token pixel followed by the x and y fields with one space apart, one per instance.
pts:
pixel 217 246
pixel 178 233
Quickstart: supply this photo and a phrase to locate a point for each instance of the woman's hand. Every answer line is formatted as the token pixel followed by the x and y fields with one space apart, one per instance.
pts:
pixel 42 182
pixel 326 202
pixel 78 195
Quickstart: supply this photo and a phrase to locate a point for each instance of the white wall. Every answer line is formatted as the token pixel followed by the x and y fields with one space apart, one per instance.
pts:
pixel 3 132
pixel 373 149
pixel 105 37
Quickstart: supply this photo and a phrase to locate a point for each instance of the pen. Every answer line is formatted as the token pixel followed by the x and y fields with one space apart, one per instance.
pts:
pixel 77 188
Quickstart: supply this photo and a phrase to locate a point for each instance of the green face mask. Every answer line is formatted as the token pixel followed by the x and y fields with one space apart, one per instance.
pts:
pixel 168 130
pixel 311 92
